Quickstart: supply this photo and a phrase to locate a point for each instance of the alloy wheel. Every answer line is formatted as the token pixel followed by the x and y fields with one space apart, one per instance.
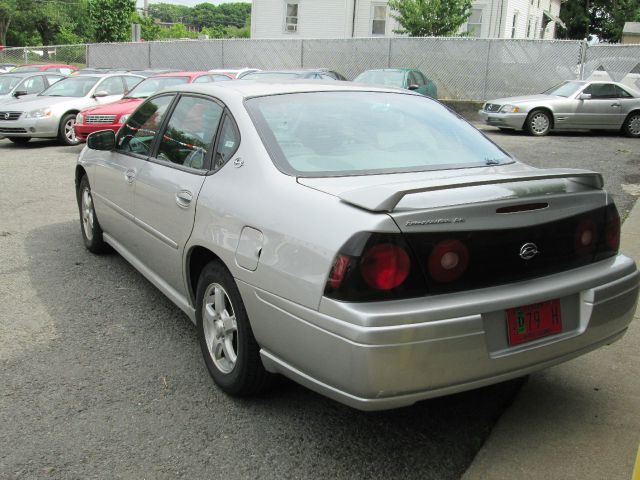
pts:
pixel 634 125
pixel 220 328
pixel 69 130
pixel 540 123
pixel 87 214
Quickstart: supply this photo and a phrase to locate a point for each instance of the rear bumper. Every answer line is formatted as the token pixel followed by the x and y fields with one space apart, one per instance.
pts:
pixel 504 120
pixel 382 355
pixel 83 130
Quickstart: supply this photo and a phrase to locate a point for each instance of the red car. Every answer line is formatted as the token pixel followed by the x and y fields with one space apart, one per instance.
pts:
pixel 113 115
pixel 62 68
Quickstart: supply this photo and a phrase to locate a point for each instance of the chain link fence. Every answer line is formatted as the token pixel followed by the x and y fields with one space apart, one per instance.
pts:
pixel 462 68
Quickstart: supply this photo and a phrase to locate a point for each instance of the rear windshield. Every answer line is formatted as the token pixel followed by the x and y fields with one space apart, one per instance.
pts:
pixel 25 69
pixel 71 87
pixel 152 85
pixel 8 83
pixel 355 133
pixel 380 77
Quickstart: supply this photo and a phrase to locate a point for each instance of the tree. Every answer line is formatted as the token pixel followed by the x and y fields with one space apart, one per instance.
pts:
pixel 111 19
pixel 7 13
pixel 426 18
pixel 149 30
pixel 604 18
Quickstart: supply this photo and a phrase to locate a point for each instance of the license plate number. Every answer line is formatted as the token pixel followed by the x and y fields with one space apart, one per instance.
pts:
pixel 528 323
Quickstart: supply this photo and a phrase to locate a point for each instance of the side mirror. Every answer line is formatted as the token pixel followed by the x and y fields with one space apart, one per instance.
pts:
pixel 414 87
pixel 100 94
pixel 20 93
pixel 585 96
pixel 103 140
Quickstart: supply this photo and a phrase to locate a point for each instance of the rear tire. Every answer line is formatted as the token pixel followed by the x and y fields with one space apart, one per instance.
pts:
pixel 19 140
pixel 66 131
pixel 631 127
pixel 228 346
pixel 539 123
pixel 89 225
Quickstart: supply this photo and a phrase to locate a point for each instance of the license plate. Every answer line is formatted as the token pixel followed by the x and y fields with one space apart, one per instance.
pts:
pixel 528 323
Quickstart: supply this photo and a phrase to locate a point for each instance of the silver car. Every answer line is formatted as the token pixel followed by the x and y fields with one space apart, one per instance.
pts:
pixel 573 105
pixel 365 242
pixel 17 85
pixel 52 113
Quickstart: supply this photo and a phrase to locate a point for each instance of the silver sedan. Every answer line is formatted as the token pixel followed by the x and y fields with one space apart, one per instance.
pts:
pixel 363 241
pixel 572 105
pixel 52 113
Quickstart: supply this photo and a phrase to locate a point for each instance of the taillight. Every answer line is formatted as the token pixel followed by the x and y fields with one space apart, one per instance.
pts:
pixel 448 261
pixel 374 266
pixel 612 228
pixel 385 266
pixel 586 237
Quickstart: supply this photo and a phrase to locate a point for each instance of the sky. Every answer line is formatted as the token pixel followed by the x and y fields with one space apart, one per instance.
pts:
pixel 191 2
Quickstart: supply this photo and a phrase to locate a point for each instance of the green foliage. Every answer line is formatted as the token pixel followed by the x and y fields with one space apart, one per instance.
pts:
pixel 149 29
pixel 604 18
pixel 111 19
pixel 426 18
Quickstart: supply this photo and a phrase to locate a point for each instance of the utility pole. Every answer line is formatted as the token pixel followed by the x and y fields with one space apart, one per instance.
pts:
pixel 145 12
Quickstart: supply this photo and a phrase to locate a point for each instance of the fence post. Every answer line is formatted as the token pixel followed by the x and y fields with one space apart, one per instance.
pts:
pixel 26 56
pixel 149 54
pixel 222 53
pixel 302 53
pixel 86 55
pixel 583 57
pixel 389 54
pixel 486 71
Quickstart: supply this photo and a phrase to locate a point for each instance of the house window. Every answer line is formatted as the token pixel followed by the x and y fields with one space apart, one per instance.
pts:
pixel 535 29
pixel 379 20
pixel 529 26
pixel 474 24
pixel 514 24
pixel 291 17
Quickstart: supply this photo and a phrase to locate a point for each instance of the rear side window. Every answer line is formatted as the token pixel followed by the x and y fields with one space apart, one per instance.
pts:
pixel 227 144
pixel 622 93
pixel 136 136
pixel 190 132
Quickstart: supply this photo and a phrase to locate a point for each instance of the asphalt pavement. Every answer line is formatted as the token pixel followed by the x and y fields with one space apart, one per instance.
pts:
pixel 101 376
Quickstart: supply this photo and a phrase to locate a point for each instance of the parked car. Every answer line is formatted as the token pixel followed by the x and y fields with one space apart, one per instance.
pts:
pixel 112 116
pixel 318 74
pixel 152 72
pixel 399 78
pixel 14 85
pixel 62 68
pixel 52 113
pixel 365 242
pixel 236 73
pixel 7 67
pixel 572 105
pixel 93 71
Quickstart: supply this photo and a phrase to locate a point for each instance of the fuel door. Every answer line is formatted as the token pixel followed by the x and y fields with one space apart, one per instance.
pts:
pixel 249 248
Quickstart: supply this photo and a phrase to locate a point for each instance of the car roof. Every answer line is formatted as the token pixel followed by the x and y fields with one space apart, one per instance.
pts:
pixel 253 88
pixel 30 74
pixel 298 70
pixel 185 74
pixel 392 70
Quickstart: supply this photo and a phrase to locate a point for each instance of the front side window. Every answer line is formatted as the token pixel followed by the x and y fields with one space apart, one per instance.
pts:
pixel 131 82
pixel 379 20
pixel 190 132
pixel 136 136
pixel 33 85
pixel 474 24
pixel 622 93
pixel 111 86
pixel 71 87
pixel 51 79
pixel 359 133
pixel 291 17
pixel 601 90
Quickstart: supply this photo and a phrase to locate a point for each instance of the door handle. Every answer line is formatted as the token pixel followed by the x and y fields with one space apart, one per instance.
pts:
pixel 615 105
pixel 130 175
pixel 183 198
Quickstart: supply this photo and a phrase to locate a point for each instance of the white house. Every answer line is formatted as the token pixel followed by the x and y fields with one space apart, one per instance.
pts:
pixel 373 18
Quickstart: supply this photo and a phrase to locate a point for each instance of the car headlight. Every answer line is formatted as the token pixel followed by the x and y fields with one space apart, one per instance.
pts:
pixel 509 109
pixel 80 118
pixel 40 113
pixel 124 118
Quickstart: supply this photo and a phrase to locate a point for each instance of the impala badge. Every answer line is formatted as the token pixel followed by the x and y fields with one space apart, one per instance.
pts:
pixel 528 251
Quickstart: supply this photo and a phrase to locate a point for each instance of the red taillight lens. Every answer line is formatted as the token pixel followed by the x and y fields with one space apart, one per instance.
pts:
pixel 612 229
pixel 586 237
pixel 448 260
pixel 337 272
pixel 385 266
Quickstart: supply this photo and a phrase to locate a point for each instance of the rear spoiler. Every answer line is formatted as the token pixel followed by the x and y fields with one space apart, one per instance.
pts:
pixel 384 198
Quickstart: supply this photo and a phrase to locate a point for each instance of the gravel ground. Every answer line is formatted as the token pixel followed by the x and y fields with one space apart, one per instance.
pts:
pixel 102 376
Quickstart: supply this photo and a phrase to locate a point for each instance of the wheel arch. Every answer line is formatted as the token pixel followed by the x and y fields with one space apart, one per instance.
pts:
pixel 79 173
pixel 632 112
pixel 546 110
pixel 196 259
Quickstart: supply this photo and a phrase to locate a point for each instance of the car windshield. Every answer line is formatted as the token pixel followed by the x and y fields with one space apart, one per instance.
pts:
pixel 8 83
pixel 380 77
pixel 25 69
pixel 565 89
pixel 272 76
pixel 350 133
pixel 71 87
pixel 152 85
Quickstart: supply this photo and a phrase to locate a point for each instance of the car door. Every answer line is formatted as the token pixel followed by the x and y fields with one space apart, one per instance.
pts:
pixel 601 110
pixel 114 180
pixel 168 185
pixel 627 103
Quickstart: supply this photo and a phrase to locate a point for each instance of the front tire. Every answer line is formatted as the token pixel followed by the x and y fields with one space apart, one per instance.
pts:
pixel 631 127
pixel 19 140
pixel 67 131
pixel 91 230
pixel 539 123
pixel 228 346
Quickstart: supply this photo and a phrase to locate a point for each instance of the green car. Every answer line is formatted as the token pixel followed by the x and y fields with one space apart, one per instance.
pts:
pixel 400 78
